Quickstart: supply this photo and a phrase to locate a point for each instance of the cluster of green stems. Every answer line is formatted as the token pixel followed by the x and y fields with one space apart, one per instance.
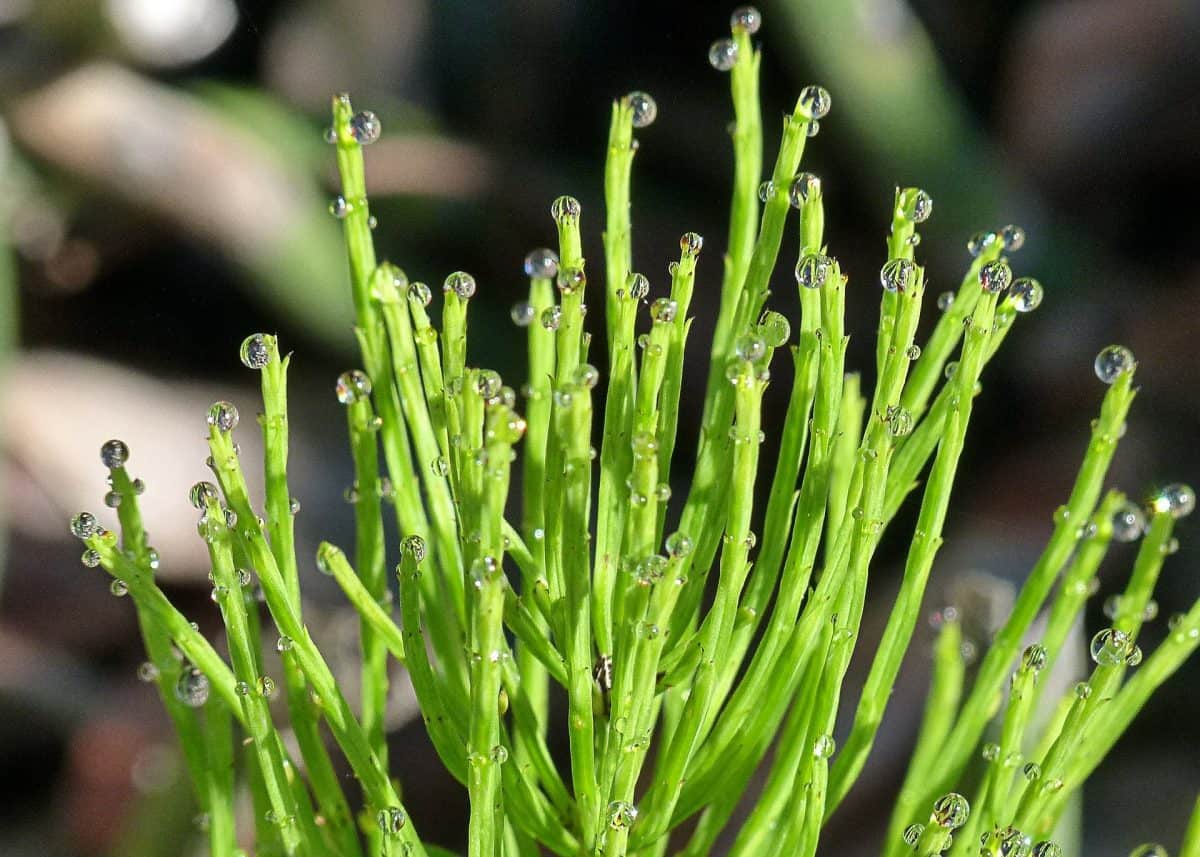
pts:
pixel 680 655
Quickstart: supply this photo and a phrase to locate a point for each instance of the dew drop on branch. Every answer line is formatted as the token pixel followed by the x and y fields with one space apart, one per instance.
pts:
pixel 114 454
pixel 1113 362
pixel 723 54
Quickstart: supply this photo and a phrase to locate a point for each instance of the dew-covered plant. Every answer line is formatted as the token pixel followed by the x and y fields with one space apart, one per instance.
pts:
pixel 680 644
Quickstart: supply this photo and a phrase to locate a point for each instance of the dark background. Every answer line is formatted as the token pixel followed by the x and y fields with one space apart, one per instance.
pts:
pixel 163 188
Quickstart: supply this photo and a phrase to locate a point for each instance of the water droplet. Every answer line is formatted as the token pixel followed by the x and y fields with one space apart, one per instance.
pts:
pixel 586 376
pixel 420 293
pixel 980 241
pixel 804 187
pixel 912 834
pixel 1134 656
pixel 945 300
pixel 90 558
pixel 329 135
pixel 413 546
pixel 119 588
pixel 995 276
pixel 899 421
pixel 352 386
pixel 1114 361
pixel 147 672
pixel 643 107
pixel 824 746
pixel 896 275
pixel 1083 690
pixel 565 208
pixel 541 263
pixel 552 317
pixel 1177 500
pixel 192 687
pixel 202 494
pixel 814 127
pixel 745 19
pixel 913 352
pixel 84 525
pixel 663 310
pixel 1047 849
pixel 266 686
pixel 365 127
pixel 920 205
pixel 1034 657
pixel 1110 647
pixel 815 101
pixel 372 222
pixel 391 820
pixel 1013 237
pixel 112 499
pixel 621 815
pixel 991 752
pixel 223 416
pixel 255 351
pixel 1032 771
pixel 1112 606
pixel 1128 523
pixel 950 811
pixel 114 454
pixel 750 347
pixel 774 329
pixel 461 283
pixel 339 207
pixel 1025 294
pixel 766 190
pixel 812 271
pixel 283 644
pixel 723 54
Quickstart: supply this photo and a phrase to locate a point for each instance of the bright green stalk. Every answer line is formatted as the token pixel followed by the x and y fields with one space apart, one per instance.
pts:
pixel 192 736
pixel 698 710
pixel 979 706
pixel 927 540
pixel 369 561
pixel 841 465
pixel 503 427
pixel 1016 717
pixel 222 826
pixel 253 688
pixel 531 634
pixel 347 731
pixel 900 246
pixel 1191 838
pixel 618 242
pixel 743 206
pixel 573 430
pixel 363 602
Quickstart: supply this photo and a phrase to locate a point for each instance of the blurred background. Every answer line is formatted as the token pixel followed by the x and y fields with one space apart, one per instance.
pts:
pixel 163 191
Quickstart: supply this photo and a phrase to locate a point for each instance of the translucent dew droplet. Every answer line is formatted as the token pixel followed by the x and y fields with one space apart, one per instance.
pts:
pixel 804 187
pixel 112 499
pixel 119 588
pixel 413 546
pixel 541 263
pixel 565 208
pixel 995 276
pixel 691 243
pixel 919 205
pixel 774 329
pixel 147 672
pixel 621 815
pixel 114 453
pixel 192 687
pixel 461 284
pixel 745 19
pixel 1012 237
pixel 202 494
pixel 1128 523
pixel 678 545
pixel 750 347
pixel 815 101
pixel 84 525
pixel 255 351
pixel 352 386
pixel 812 271
pixel 391 820
pixel 419 292
pixel 723 54
pixel 552 317
pixel 991 752
pixel 339 207
pixel 283 644
pixel 945 300
pixel 950 811
pixel 824 746
pixel 1032 771
pixel 643 107
pixel 1114 361
pixel 766 190
pixel 1110 647
pixel 223 416
pixel 1047 849
pixel 912 834
pixel 1177 500
pixel 265 686
pixel 663 310
pixel 365 127
pixel 980 241
pixel 90 558
pixel 1026 294
pixel 897 275
pixel 1034 657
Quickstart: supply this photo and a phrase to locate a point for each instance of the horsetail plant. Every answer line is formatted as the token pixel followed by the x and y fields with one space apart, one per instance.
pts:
pixel 683 644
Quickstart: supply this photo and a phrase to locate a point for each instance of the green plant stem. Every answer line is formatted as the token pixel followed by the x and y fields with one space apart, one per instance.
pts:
pixel 1191 838
pixel 618 239
pixel 222 826
pixel 979 706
